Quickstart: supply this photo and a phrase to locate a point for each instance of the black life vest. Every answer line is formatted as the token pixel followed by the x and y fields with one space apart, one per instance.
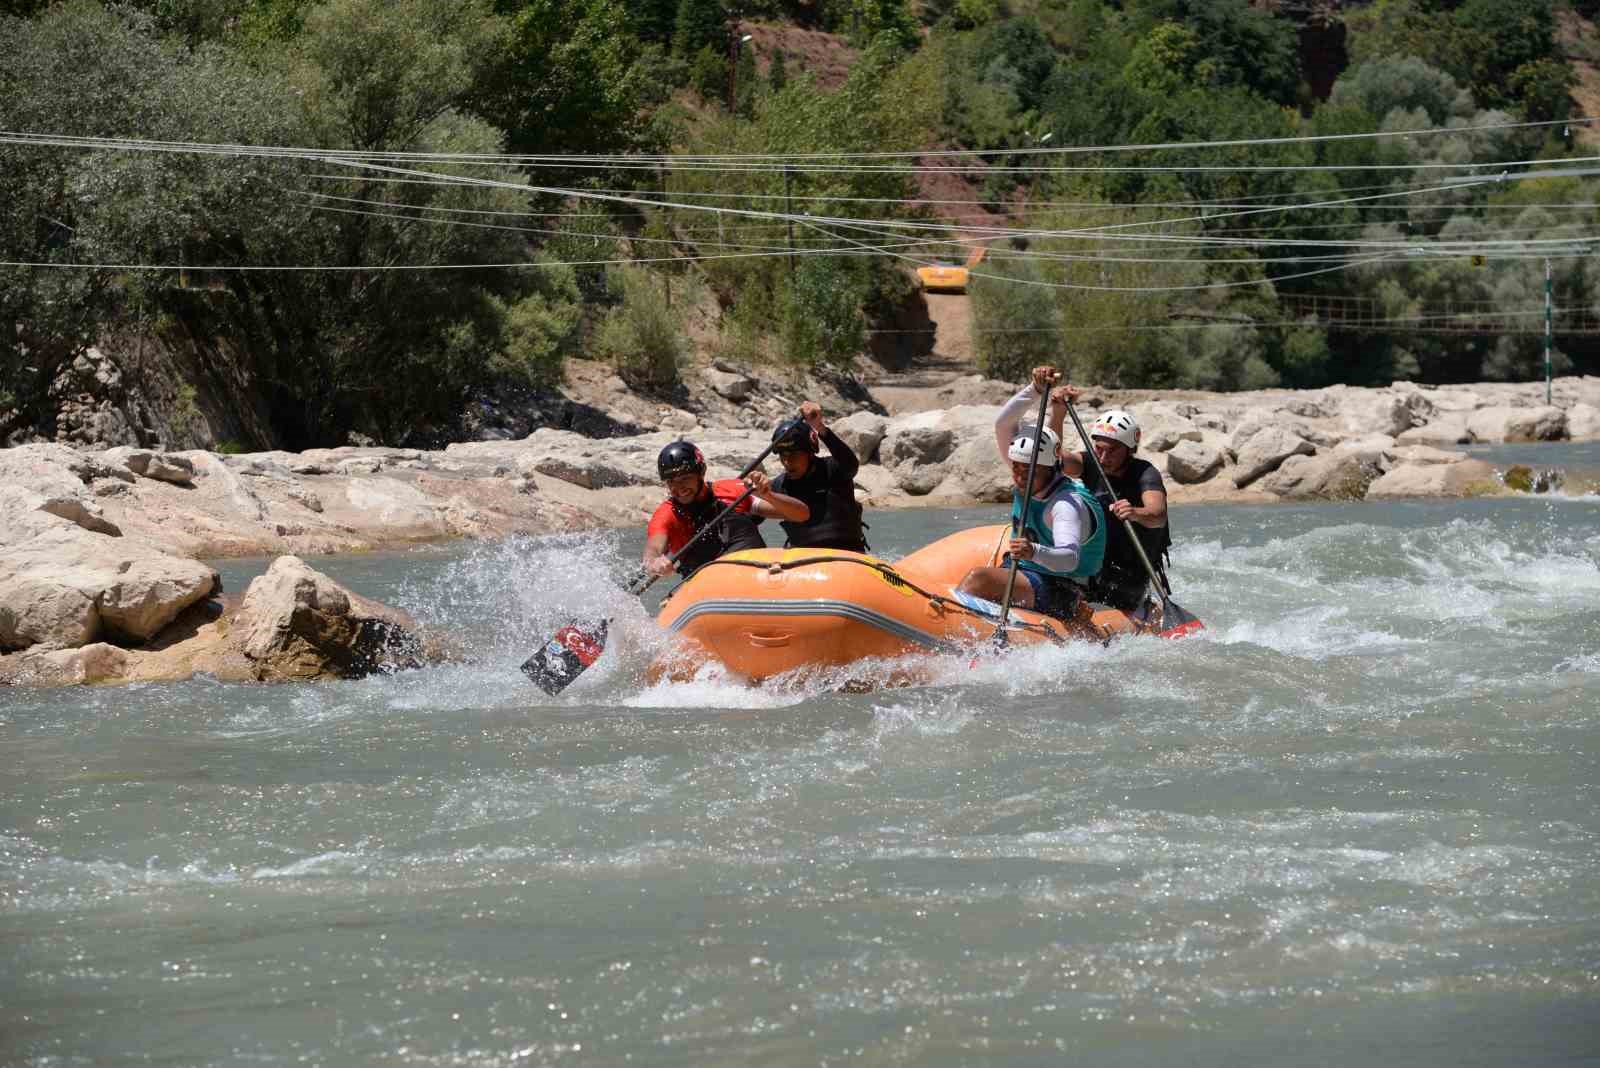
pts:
pixel 835 520
pixel 1120 554
pixel 736 531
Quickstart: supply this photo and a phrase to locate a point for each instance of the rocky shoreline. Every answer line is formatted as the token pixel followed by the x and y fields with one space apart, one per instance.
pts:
pixel 100 570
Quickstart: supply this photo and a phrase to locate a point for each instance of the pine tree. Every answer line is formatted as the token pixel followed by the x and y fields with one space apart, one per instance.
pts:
pixel 700 23
pixel 777 75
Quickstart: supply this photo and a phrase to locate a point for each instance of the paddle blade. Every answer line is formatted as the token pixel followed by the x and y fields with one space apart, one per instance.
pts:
pixel 1176 623
pixel 566 655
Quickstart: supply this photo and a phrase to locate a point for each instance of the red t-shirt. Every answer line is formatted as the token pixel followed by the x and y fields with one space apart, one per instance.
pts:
pixel 679 530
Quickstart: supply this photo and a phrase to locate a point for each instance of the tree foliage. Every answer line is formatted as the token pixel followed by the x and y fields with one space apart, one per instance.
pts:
pixel 1181 263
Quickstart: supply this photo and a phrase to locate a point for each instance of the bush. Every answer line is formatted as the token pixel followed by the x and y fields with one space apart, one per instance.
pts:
pixel 539 330
pixel 643 335
pixel 822 321
pixel 708 74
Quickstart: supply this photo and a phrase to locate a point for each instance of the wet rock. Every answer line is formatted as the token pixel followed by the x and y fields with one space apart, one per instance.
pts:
pixel 1525 479
pixel 297 623
pixel 1463 478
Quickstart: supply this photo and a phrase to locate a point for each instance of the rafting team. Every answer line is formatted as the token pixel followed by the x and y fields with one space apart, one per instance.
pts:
pixel 1073 546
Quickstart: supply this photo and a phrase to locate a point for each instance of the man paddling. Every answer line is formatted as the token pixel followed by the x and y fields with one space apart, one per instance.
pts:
pixel 1060 540
pixel 825 484
pixel 692 502
pixel 1140 501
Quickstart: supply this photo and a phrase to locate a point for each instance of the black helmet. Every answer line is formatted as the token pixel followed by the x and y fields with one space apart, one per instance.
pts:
pixel 678 458
pixel 795 435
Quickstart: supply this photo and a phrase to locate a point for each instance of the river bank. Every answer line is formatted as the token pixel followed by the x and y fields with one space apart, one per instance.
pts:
pixel 102 547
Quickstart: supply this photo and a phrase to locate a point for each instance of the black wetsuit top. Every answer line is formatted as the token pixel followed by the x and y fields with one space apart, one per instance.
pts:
pixel 828 489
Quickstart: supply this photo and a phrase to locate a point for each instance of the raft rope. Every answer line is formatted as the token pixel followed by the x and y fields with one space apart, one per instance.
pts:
pixel 894 578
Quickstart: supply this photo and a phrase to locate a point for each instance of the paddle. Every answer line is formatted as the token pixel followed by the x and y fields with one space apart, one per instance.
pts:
pixel 1174 620
pixel 576 646
pixel 999 638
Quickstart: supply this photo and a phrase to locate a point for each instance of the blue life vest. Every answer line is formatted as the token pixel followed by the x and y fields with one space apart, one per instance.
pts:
pixel 1092 550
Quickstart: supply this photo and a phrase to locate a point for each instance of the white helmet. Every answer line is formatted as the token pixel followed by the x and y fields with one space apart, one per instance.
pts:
pixel 1021 449
pixel 1117 425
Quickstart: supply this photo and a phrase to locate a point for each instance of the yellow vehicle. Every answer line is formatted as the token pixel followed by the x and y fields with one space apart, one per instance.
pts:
pixel 949 277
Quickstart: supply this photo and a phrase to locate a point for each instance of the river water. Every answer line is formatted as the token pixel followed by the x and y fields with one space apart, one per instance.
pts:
pixel 1356 821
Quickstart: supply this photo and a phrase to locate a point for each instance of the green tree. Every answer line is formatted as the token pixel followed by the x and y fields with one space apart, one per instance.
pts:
pixel 1542 89
pixel 1386 84
pixel 700 24
pixel 84 70
pixel 570 78
pixel 643 335
pixel 867 21
pixel 777 72
pixel 822 320
pixel 1503 35
pixel 746 82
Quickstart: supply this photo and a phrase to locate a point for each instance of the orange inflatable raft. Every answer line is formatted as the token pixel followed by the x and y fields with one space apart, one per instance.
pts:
pixel 763 613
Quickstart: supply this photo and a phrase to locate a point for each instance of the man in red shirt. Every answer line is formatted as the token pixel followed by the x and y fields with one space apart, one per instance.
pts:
pixel 692 502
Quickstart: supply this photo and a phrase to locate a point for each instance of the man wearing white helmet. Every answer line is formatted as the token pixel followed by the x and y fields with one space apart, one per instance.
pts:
pixel 1138 498
pixel 1061 538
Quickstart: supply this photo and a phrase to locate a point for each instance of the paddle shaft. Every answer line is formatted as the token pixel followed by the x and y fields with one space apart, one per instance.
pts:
pixel 1090 456
pixel 703 531
pixel 1027 499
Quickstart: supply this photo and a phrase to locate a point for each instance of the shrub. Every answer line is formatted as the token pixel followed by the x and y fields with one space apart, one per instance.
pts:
pixel 822 321
pixel 642 336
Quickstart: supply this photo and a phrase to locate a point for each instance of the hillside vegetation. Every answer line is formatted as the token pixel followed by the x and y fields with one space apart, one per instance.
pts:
pixel 462 194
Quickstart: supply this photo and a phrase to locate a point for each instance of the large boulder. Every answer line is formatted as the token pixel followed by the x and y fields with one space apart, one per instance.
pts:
pixel 1265 450
pixel 862 431
pixel 1337 476
pixel 1193 461
pixel 975 470
pixel 66 586
pixel 1583 422
pixel 918 445
pixel 730 384
pixel 1457 479
pixel 1391 414
pixel 297 623
pixel 1449 428
pixel 1425 454
pixel 1162 430
pixel 1504 423
pixel 587 472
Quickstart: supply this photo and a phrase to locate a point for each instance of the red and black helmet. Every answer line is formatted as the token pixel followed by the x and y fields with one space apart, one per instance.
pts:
pixel 680 457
